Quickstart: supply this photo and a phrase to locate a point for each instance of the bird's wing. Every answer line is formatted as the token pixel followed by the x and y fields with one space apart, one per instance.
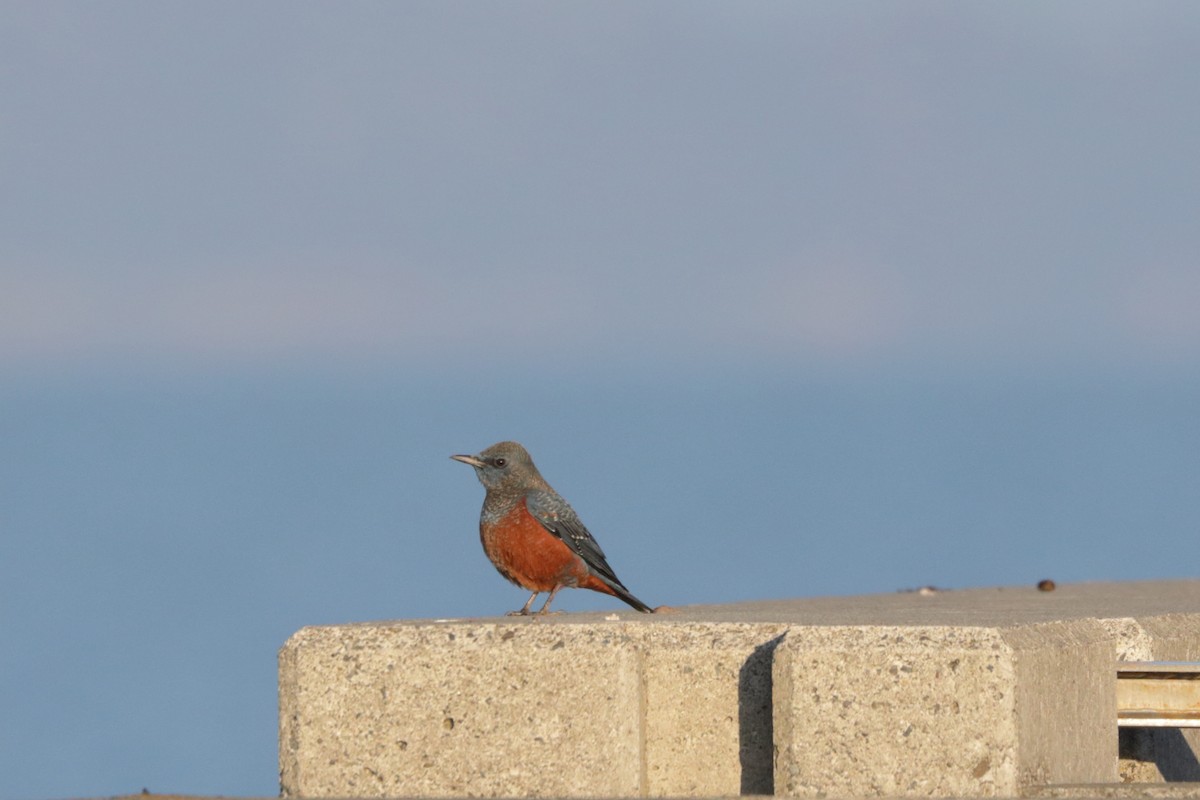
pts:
pixel 561 520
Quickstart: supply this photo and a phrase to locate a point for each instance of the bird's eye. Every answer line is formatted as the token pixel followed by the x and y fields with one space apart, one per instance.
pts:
pixel 500 462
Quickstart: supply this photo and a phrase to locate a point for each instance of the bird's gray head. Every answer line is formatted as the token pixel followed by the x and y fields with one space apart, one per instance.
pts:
pixel 505 466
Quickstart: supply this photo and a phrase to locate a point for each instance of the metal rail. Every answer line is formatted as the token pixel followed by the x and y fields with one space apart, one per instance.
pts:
pixel 1158 694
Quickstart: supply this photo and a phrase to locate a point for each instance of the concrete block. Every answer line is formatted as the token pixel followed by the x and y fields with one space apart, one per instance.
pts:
pixel 1130 638
pixel 1173 637
pixel 1066 707
pixel 893 711
pixel 943 711
pixel 457 710
pixel 709 727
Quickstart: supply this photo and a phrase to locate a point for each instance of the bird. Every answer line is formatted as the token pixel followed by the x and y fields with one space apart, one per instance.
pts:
pixel 532 535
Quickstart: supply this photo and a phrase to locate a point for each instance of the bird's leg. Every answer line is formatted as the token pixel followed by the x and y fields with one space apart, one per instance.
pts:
pixel 546 604
pixel 524 612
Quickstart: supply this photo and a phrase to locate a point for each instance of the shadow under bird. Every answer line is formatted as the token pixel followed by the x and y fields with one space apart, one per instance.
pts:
pixel 532 536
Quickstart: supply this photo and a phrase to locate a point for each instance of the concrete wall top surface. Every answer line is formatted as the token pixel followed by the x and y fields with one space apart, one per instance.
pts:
pixel 991 607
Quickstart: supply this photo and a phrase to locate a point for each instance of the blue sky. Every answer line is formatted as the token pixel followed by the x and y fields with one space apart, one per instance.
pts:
pixel 786 299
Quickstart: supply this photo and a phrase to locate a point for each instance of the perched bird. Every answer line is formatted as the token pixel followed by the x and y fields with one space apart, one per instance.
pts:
pixel 532 536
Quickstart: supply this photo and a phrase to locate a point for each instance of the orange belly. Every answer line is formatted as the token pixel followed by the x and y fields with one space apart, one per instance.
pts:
pixel 532 557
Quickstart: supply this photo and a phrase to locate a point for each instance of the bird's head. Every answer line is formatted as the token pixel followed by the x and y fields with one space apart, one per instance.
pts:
pixel 503 466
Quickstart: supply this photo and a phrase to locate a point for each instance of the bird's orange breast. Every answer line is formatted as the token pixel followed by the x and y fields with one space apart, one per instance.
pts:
pixel 529 555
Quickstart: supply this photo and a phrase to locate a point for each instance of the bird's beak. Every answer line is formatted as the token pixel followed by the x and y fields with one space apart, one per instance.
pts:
pixel 472 460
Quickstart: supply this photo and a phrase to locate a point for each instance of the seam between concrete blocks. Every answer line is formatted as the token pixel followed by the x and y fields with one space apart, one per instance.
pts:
pixel 643 715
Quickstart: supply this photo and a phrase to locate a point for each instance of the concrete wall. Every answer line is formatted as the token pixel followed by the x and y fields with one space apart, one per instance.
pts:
pixel 987 693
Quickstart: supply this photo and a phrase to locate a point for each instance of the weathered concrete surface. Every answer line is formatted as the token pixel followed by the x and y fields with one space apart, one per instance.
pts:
pixel 995 607
pixel 893 711
pixel 436 711
pixel 940 711
pixel 1158 791
pixel 694 703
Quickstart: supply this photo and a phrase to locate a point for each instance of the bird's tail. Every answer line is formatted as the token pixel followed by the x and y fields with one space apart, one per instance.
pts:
pixel 600 584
